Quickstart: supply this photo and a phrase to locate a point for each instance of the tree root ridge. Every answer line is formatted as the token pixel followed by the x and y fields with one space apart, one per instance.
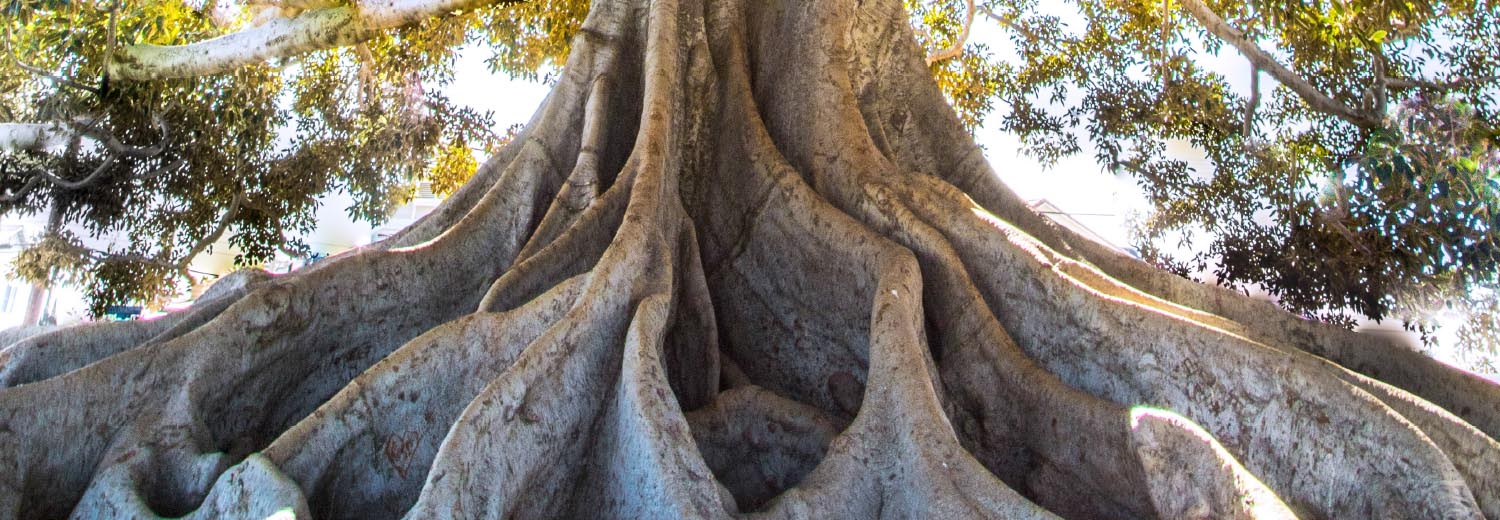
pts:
pixel 743 263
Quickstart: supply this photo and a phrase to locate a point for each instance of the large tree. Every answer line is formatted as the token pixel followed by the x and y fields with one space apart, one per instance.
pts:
pixel 744 259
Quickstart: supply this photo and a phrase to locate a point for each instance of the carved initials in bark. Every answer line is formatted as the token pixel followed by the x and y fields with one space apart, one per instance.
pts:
pixel 743 260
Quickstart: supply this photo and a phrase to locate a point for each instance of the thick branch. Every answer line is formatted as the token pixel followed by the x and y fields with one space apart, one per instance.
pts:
pixel 85 182
pixel 310 31
pixel 1315 99
pixel 958 43
pixel 1438 85
pixel 41 136
pixel 16 137
pixel 120 148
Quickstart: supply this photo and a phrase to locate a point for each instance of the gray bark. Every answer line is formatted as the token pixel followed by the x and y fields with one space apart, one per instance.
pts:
pixel 743 262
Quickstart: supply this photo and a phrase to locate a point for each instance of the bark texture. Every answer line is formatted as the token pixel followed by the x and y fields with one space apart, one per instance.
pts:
pixel 743 262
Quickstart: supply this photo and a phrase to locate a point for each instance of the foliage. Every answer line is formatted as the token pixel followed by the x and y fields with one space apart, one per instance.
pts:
pixel 1322 211
pixel 244 156
pixel 972 80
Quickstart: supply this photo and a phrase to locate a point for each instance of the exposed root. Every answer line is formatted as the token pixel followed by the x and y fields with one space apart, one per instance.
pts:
pixel 374 441
pixel 1193 476
pixel 1277 412
pixel 899 458
pixel 45 355
pixel 759 444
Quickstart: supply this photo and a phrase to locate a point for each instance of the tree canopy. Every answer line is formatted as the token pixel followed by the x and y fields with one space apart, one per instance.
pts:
pixel 242 155
pixel 1360 173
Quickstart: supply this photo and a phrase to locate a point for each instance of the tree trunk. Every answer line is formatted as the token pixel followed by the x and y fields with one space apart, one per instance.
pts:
pixel 744 259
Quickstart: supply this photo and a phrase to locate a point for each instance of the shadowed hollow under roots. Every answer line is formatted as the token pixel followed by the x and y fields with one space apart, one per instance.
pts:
pixel 744 261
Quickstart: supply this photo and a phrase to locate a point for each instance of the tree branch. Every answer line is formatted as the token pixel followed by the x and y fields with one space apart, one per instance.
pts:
pixel 36 175
pixel 85 182
pixel 957 47
pixel 1023 30
pixel 15 137
pixel 54 78
pixel 180 266
pixel 1251 106
pixel 114 144
pixel 18 137
pixel 1315 99
pixel 31 182
pixel 211 237
pixel 295 4
pixel 309 31
pixel 1438 85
